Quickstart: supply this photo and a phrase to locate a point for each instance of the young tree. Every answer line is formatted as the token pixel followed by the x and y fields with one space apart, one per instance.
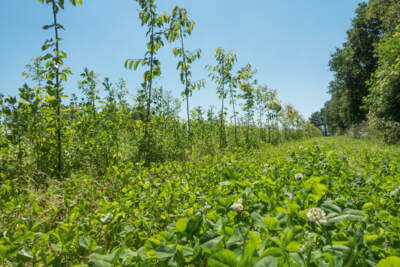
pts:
pixel 222 75
pixel 246 85
pixel 155 32
pixel 274 111
pixel 181 27
pixel 35 104
pixel 266 104
pixel 55 72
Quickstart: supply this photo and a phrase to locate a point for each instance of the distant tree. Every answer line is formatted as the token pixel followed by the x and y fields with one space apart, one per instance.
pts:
pixel 247 85
pixel 318 120
pixel 354 64
pixel 221 73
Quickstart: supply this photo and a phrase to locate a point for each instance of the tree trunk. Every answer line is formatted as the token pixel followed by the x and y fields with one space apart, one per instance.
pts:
pixel 58 112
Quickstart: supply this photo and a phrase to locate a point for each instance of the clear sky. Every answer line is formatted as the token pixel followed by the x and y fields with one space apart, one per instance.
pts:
pixel 288 41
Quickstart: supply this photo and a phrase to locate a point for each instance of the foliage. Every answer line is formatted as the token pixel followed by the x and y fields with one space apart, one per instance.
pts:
pixel 383 100
pixel 181 27
pixel 359 68
pixel 154 23
pixel 222 75
pixel 181 213
pixel 128 191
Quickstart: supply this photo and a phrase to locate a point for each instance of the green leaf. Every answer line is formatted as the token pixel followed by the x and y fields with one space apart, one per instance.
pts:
pixel 136 65
pixel 296 258
pixel 46 27
pixel 181 225
pixel 223 258
pixel 83 242
pixel 63 76
pixel 293 246
pixel 268 261
pixel 24 255
pixel 101 260
pixel 56 248
pixel 212 243
pixel 127 254
pixel 194 224
pixel 391 261
pixel 248 253
pixel 272 223
pixel 258 220
pixel 329 205
pixel 276 252
pixel 344 217
pixel 163 252
pixel 237 239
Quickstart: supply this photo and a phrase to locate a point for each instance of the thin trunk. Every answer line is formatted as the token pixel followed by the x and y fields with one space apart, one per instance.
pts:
pixel 222 132
pixel 234 117
pixel 151 69
pixel 186 91
pixel 38 121
pixel 261 126
pixel 58 112
pixel 269 130
pixel 146 132
pixel 248 129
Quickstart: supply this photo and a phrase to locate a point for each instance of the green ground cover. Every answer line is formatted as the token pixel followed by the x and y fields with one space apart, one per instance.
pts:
pixel 321 202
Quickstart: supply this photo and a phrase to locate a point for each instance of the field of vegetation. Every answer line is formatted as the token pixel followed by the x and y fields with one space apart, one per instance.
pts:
pixel 99 179
pixel 321 202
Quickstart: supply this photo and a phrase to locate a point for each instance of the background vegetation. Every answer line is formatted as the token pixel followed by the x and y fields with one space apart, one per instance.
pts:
pixel 45 133
pixel 365 93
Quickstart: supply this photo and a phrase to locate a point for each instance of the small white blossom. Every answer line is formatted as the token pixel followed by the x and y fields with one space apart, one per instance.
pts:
pixel 238 207
pixel 207 206
pixel 316 215
pixel 256 182
pixel 298 176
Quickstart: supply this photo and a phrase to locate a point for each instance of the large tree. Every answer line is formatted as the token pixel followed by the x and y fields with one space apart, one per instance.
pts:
pixel 355 63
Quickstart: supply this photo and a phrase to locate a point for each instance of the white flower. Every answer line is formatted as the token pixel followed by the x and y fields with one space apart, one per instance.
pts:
pixel 207 206
pixel 298 176
pixel 256 182
pixel 238 207
pixel 316 215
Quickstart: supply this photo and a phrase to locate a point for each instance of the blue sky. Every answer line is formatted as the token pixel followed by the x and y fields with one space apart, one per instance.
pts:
pixel 289 42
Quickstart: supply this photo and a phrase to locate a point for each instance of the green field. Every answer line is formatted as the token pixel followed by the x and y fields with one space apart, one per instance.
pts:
pixel 234 209
pixel 229 144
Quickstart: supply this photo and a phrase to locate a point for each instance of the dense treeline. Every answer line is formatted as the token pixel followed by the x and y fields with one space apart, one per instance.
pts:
pixel 365 90
pixel 45 133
